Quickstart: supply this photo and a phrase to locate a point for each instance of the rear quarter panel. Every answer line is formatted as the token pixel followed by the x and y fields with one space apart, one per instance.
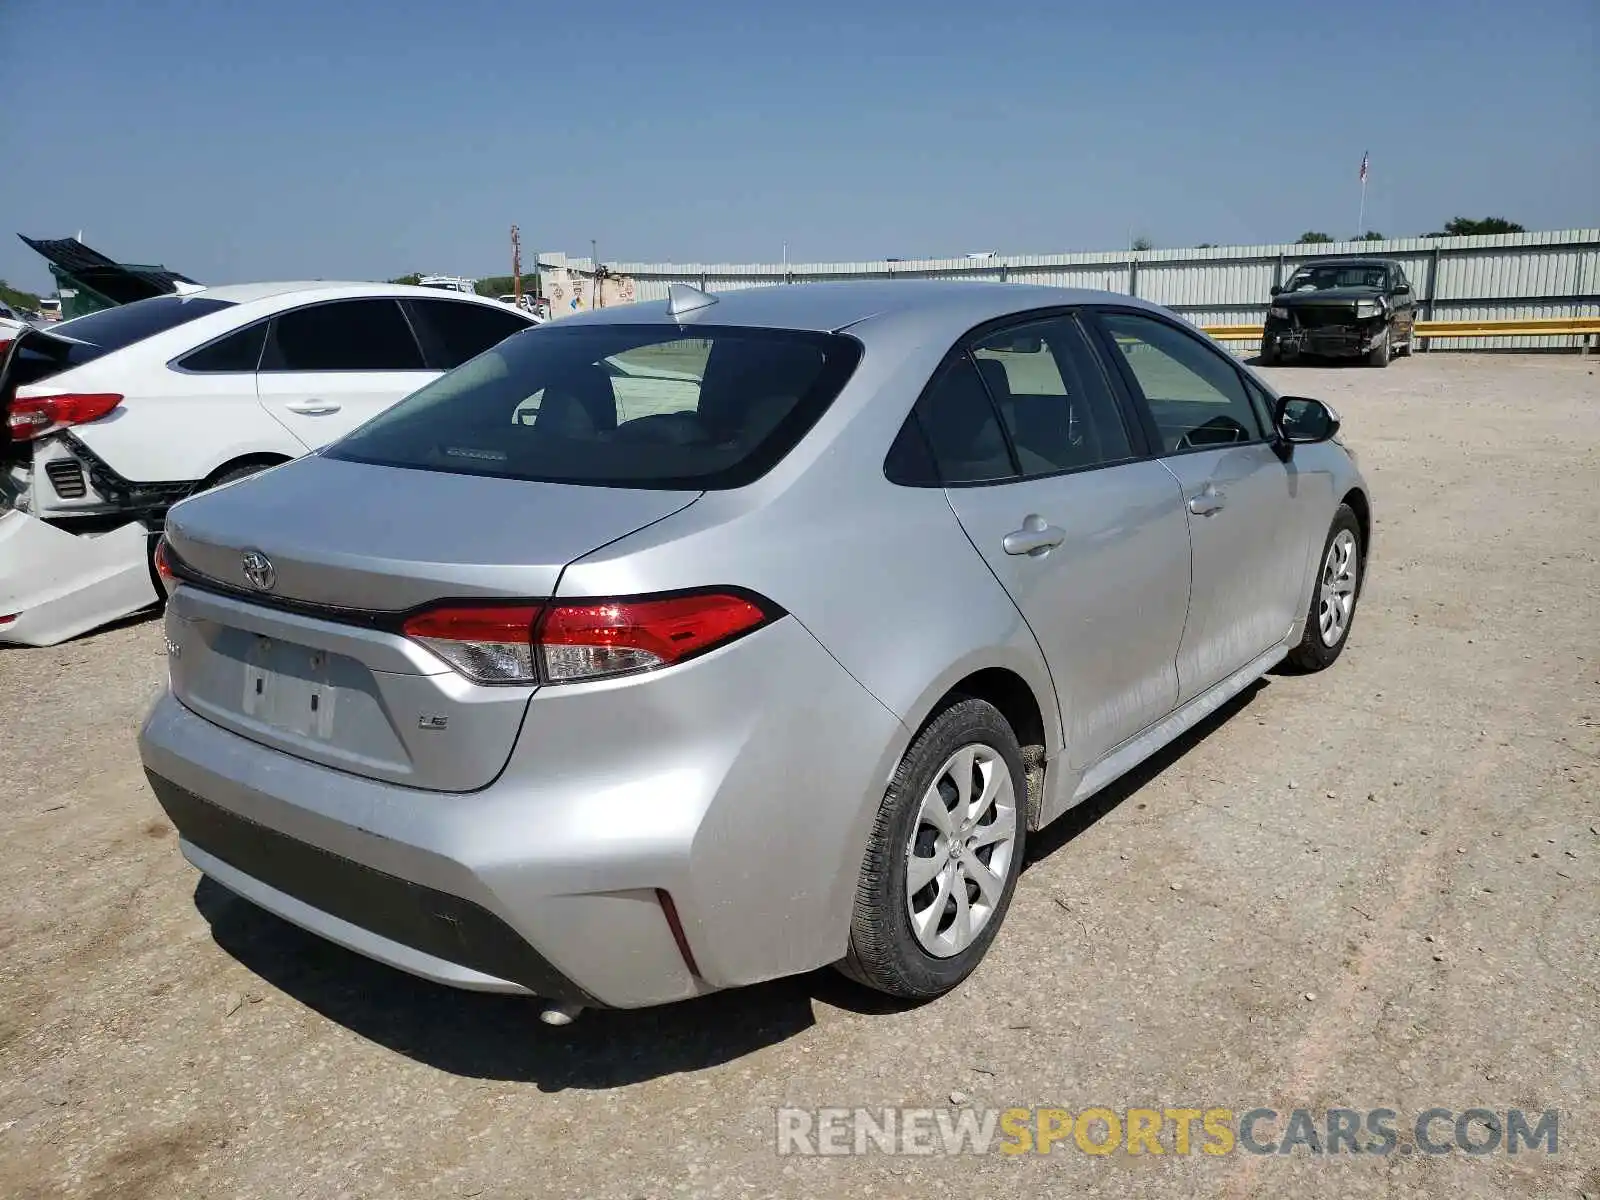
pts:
pixel 173 427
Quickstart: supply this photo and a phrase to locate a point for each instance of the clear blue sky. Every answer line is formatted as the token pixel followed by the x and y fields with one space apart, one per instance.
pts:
pixel 367 138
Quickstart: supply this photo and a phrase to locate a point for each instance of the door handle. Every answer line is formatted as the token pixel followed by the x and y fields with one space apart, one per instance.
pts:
pixel 1036 538
pixel 1208 503
pixel 312 408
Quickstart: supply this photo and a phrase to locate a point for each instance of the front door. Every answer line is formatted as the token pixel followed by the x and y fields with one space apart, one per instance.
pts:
pixel 330 367
pixel 1242 500
pixel 1087 536
pixel 1404 302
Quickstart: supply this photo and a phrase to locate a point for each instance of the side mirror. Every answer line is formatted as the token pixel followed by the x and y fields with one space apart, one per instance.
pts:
pixel 1402 289
pixel 1301 421
pixel 1277 289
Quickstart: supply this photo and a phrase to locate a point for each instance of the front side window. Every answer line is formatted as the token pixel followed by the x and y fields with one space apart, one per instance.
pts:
pixel 1054 401
pixel 617 406
pixel 1194 393
pixel 346 335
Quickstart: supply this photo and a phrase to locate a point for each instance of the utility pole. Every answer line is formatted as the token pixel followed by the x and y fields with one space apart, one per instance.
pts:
pixel 516 267
pixel 595 298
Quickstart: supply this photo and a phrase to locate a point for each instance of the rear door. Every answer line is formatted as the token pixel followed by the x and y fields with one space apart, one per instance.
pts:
pixel 1088 536
pixel 329 367
pixel 1244 503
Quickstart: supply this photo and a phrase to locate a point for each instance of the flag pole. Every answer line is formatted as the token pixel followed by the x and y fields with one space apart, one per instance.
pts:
pixel 1361 213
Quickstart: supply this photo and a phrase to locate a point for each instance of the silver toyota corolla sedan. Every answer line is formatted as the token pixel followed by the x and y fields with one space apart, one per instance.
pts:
pixel 688 644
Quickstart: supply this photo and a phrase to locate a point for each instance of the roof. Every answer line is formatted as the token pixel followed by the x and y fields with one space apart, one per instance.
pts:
pixel 829 307
pixel 244 293
pixel 118 282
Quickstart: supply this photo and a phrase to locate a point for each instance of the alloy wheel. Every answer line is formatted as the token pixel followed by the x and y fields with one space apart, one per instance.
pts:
pixel 1337 596
pixel 958 857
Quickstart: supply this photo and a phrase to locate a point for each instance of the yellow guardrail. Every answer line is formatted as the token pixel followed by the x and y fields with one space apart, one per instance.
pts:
pixel 1535 327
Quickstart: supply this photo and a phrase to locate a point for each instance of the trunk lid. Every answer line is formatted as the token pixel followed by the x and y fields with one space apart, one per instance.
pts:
pixel 384 539
pixel 314 665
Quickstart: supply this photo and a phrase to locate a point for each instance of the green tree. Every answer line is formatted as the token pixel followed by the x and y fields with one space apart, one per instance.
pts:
pixel 1206 246
pixel 410 279
pixel 1466 226
pixel 1143 243
pixel 1312 237
pixel 17 298
pixel 500 285
pixel 1371 235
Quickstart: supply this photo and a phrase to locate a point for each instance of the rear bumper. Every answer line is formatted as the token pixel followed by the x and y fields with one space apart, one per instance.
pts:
pixel 742 785
pixel 416 928
pixel 55 584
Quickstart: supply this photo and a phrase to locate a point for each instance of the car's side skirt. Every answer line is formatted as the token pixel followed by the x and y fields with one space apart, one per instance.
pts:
pixel 1135 750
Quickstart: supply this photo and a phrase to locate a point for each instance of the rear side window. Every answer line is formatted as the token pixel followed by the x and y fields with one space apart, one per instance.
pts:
pixel 238 353
pixel 453 331
pixel 955 425
pixel 346 335
pixel 113 328
pixel 1054 401
pixel 641 406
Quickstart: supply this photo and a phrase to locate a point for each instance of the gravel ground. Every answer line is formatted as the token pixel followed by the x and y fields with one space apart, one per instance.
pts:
pixel 1375 887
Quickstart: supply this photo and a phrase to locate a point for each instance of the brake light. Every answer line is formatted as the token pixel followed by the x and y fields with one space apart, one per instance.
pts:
pixel 32 415
pixel 5 344
pixel 566 643
pixel 617 636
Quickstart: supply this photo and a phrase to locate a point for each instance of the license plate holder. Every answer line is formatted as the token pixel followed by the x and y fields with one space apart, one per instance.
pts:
pixel 288 687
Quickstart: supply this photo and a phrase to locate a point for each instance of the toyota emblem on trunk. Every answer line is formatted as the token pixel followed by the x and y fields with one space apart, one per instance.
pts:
pixel 259 571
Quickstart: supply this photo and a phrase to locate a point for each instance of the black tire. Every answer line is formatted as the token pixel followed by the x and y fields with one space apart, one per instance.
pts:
pixel 885 952
pixel 233 474
pixel 1269 355
pixel 1314 653
pixel 1379 355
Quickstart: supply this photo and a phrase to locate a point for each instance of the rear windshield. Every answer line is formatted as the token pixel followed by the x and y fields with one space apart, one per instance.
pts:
pixel 640 406
pixel 113 328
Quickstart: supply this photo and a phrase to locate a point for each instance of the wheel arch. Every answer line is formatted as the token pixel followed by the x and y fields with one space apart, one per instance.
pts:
pixel 1035 721
pixel 260 461
pixel 1362 507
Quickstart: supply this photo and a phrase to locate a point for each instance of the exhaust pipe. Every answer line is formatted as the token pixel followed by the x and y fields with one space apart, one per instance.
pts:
pixel 560 1014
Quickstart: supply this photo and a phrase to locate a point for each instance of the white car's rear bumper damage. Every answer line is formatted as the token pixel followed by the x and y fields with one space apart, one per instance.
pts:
pixel 55 584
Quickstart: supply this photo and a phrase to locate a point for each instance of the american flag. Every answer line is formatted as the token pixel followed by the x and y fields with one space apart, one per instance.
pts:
pixel 1363 166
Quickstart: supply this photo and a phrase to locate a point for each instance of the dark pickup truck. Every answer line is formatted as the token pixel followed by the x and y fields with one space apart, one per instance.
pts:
pixel 1341 308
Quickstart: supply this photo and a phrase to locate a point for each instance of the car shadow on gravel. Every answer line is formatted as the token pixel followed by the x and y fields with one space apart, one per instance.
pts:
pixel 1075 821
pixel 486 1036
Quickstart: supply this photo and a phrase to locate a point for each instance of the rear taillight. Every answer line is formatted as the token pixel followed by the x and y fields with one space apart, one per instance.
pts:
pixel 616 636
pixel 5 344
pixel 490 644
pixel 565 643
pixel 163 561
pixel 31 416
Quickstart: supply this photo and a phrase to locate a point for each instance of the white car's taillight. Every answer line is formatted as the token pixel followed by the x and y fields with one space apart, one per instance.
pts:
pixel 566 643
pixel 31 416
